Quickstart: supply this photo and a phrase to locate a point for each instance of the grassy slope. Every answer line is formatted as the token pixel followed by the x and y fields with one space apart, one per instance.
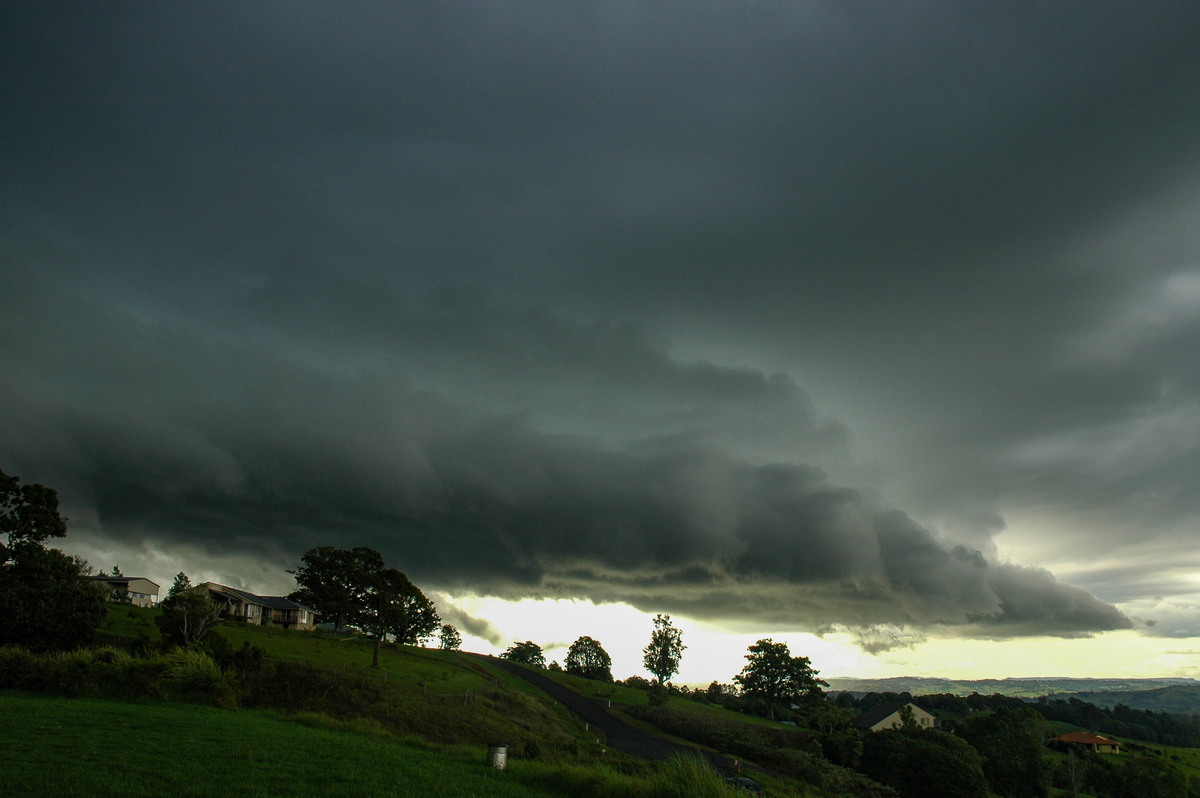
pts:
pixel 433 675
pixel 66 747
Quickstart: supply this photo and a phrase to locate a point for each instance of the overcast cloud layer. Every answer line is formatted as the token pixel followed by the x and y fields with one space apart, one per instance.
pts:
pixel 800 314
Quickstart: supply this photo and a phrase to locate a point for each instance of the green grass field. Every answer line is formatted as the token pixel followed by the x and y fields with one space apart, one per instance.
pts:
pixel 58 746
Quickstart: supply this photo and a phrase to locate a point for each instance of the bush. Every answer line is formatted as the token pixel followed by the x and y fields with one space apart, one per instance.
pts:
pixel 190 674
pixel 689 776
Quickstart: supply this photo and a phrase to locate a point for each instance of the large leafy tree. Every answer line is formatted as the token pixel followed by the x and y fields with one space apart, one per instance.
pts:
pixel 335 582
pixel 47 600
pixel 526 653
pixel 449 638
pixel 353 587
pixel 28 513
pixel 587 658
pixel 395 607
pixel 773 676
pixel 1012 743
pixel 918 763
pixel 661 657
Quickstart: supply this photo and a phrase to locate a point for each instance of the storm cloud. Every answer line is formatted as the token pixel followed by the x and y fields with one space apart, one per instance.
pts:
pixel 811 314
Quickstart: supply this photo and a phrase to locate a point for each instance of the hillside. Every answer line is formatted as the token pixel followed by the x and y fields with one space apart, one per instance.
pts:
pixel 1176 695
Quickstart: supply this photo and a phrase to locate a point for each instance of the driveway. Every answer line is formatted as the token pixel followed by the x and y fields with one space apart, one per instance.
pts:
pixel 617 733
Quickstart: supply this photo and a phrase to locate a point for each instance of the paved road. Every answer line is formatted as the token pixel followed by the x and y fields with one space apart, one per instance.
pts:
pixel 617 733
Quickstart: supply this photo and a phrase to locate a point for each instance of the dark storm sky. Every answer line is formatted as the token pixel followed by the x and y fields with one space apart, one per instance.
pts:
pixel 809 313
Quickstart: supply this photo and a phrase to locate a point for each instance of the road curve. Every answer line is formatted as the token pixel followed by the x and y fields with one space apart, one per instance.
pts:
pixel 618 734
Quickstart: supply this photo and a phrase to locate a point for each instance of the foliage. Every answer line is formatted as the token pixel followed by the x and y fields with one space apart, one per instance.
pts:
pixel 1142 774
pixel 395 606
pixel 527 653
pixel 333 582
pixel 186 617
pixel 588 659
pixel 180 584
pixel 46 599
pixel 1119 720
pixel 689 776
pixel 773 677
pixel 790 751
pixel 28 513
pixel 921 762
pixel 354 588
pixel 661 657
pixel 1011 742
pixel 449 639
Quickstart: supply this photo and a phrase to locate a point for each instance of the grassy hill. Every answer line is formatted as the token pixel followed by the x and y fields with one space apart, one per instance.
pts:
pixel 1063 687
pixel 309 712
pixel 82 747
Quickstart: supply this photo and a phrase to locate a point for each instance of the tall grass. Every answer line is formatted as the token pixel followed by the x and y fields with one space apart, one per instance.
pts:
pixel 57 746
pixel 179 674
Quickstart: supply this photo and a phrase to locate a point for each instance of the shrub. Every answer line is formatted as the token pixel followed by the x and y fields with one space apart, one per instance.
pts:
pixel 689 776
pixel 17 666
pixel 192 674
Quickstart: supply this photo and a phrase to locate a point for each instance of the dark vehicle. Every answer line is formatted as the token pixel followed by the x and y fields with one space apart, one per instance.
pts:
pixel 745 785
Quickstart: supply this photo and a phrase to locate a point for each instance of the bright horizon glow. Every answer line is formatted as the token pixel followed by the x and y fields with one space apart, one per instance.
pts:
pixel 716 654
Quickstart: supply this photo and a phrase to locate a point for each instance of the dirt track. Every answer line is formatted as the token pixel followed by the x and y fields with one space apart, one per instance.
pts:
pixel 617 733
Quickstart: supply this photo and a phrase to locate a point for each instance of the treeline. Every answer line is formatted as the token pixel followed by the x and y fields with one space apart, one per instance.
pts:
pixel 1162 728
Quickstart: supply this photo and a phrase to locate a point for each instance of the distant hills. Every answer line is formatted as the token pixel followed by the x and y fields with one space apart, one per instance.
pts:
pixel 1179 696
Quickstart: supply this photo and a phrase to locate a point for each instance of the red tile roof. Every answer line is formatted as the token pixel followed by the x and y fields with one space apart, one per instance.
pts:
pixel 1087 738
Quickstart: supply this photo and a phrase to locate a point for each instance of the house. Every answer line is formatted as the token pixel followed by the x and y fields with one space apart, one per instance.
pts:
pixel 890 716
pixel 265 610
pixel 136 590
pixel 1101 745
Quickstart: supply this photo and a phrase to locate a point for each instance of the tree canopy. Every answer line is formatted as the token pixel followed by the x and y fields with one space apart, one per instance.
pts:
pixel 526 653
pixel 587 658
pixel 334 582
pixel 448 638
pixel 662 656
pixel 28 513
pixel 353 587
pixel 187 614
pixel 47 600
pixel 1011 742
pixel 393 606
pixel 921 762
pixel 773 676
pixel 180 584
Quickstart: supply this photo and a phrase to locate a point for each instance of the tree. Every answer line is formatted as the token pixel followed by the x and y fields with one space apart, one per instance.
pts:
pixel 449 638
pixel 119 594
pixel 527 653
pixel 180 584
pixel 47 600
pixel 773 676
pixel 28 513
pixel 1011 742
pixel 187 616
pixel 354 588
pixel 587 658
pixel 923 762
pixel 393 606
pixel 334 582
pixel 666 647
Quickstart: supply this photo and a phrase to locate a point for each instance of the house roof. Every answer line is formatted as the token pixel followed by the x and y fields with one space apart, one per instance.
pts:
pixel 274 602
pixel 882 712
pixel 1087 738
pixel 872 716
pixel 123 580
